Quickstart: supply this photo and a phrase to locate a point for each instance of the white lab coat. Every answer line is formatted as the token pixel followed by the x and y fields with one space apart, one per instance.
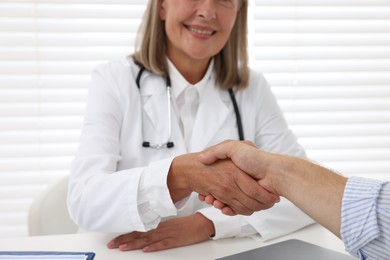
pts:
pixel 118 186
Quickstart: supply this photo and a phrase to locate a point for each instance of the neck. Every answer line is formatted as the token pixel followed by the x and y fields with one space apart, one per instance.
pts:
pixel 192 71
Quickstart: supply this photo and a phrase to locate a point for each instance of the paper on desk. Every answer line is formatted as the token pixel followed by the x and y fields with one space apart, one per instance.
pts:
pixel 43 257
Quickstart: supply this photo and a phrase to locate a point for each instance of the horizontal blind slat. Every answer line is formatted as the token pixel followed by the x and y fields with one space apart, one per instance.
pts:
pixel 38 123
pixel 341 130
pixel 300 12
pixel 35 164
pixel 322 26
pixel 327 78
pixel 40 136
pixel 322 39
pixel 321 3
pixel 347 142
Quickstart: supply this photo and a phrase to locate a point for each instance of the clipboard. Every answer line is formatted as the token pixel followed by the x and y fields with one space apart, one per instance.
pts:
pixel 292 249
pixel 89 255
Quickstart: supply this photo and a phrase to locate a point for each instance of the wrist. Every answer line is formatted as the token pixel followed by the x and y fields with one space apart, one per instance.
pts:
pixel 206 225
pixel 176 176
pixel 178 184
pixel 280 172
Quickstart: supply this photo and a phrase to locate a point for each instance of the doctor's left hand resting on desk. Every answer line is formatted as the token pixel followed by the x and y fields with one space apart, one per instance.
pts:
pixel 168 234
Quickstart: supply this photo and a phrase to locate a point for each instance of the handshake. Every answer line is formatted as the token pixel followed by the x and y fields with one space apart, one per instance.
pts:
pixel 238 178
pixel 244 179
pixel 248 188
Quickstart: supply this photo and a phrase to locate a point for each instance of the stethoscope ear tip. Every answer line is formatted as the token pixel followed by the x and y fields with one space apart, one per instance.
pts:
pixel 170 144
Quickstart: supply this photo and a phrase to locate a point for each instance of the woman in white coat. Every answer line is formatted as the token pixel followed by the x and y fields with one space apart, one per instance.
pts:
pixel 119 185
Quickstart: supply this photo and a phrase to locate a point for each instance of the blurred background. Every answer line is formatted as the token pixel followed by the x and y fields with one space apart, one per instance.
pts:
pixel 328 62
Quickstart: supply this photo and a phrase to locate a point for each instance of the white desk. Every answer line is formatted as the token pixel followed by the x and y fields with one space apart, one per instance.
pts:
pixel 95 242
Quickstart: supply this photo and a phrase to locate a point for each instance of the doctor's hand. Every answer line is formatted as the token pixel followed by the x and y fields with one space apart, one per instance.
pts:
pixel 256 163
pixel 168 234
pixel 221 179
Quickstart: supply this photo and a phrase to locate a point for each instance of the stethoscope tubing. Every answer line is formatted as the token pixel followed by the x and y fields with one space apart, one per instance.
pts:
pixel 169 143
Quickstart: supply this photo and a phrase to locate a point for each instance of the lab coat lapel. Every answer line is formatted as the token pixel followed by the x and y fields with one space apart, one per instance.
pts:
pixel 155 104
pixel 156 113
pixel 153 108
pixel 212 113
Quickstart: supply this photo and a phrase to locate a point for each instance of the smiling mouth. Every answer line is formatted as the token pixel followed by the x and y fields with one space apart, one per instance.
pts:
pixel 200 31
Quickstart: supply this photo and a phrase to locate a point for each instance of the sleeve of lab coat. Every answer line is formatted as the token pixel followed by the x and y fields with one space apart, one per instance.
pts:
pixel 279 220
pixel 100 198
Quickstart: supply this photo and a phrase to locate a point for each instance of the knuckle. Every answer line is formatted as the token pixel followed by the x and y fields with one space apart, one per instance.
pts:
pixel 166 243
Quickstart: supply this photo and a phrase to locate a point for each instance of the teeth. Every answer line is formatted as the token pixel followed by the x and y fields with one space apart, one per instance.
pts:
pixel 200 31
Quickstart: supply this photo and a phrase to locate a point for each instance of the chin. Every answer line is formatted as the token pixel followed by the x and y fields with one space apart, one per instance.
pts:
pixel 201 55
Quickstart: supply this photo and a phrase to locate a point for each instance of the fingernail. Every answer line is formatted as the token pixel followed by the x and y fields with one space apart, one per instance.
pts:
pixel 122 247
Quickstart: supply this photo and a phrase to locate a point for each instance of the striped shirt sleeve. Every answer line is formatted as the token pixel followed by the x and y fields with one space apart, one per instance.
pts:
pixel 365 218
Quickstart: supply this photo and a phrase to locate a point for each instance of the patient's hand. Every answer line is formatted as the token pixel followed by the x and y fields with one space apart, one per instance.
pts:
pixel 168 234
pixel 252 161
pixel 221 179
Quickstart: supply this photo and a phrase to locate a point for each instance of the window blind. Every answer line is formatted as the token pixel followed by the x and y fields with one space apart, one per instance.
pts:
pixel 48 49
pixel 328 63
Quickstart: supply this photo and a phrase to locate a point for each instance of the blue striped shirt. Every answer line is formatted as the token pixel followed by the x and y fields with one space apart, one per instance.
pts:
pixel 365 218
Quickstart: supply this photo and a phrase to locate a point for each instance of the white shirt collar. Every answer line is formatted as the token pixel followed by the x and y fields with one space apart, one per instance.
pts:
pixel 179 83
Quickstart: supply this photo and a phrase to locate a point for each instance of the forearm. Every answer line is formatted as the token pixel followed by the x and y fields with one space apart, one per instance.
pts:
pixel 315 190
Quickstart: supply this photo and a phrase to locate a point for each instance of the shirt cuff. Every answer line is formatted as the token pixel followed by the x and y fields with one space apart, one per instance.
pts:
pixel 283 218
pixel 154 190
pixel 225 226
pixel 359 213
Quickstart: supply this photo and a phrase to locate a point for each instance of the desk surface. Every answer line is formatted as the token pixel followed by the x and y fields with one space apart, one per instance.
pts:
pixel 96 242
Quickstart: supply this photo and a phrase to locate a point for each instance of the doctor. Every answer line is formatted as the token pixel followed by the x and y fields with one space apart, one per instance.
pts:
pixel 149 115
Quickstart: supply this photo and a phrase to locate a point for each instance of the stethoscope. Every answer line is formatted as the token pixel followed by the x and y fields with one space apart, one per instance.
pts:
pixel 169 143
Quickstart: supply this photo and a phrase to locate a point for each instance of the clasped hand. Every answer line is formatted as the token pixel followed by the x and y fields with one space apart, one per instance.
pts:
pixel 254 164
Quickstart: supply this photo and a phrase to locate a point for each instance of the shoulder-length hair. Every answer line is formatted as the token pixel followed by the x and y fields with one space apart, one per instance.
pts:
pixel 230 64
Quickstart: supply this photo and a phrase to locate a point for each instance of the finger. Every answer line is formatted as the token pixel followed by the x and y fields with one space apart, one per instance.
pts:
pixel 221 151
pixel 234 202
pixel 117 241
pixel 217 152
pixel 209 199
pixel 160 245
pixel 201 197
pixel 233 196
pixel 138 240
pixel 219 205
pixel 138 243
pixel 253 195
pixel 112 245
pixel 239 208
pixel 228 211
pixel 240 197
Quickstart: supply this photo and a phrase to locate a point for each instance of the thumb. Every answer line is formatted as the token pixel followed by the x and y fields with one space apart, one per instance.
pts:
pixel 217 152
pixel 223 150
